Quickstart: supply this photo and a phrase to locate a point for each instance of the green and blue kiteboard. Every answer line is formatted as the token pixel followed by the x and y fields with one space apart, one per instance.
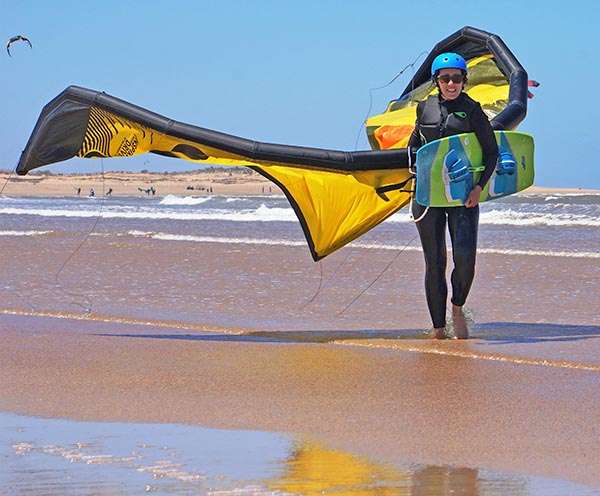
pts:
pixel 447 169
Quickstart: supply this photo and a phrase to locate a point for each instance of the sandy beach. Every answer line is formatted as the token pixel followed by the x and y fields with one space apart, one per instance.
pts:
pixel 184 310
pixel 221 181
pixel 115 321
pixel 434 403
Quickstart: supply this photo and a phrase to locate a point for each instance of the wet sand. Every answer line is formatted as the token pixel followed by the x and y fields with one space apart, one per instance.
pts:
pixel 251 337
pixel 75 457
pixel 242 351
pixel 391 405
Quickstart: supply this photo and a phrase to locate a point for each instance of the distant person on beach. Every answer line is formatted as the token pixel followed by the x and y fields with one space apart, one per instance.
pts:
pixel 445 114
pixel 92 193
pixel 78 191
pixel 109 192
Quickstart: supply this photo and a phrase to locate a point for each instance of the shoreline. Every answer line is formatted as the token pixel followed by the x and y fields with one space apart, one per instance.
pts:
pixel 158 457
pixel 93 370
pixel 209 331
pixel 219 181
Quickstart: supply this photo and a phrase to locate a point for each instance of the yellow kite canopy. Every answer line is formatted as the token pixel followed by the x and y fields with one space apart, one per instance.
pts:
pixel 336 195
pixel 495 79
pixel 487 85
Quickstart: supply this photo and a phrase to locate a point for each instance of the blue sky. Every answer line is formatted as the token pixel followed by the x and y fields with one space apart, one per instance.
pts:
pixel 292 72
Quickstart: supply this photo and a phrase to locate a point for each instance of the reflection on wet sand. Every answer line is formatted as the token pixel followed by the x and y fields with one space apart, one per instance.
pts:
pixel 313 469
pixel 74 458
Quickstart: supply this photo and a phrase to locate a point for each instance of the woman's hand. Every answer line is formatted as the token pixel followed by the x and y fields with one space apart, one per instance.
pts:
pixel 473 199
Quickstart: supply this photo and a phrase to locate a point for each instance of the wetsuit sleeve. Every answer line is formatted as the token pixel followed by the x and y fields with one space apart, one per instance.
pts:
pixel 485 134
pixel 415 141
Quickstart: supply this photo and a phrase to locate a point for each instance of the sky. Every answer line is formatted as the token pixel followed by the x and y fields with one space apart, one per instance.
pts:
pixel 292 72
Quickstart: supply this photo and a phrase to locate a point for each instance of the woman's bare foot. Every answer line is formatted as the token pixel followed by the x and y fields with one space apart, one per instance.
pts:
pixel 459 323
pixel 438 333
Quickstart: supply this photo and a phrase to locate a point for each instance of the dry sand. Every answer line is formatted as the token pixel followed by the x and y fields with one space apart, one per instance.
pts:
pixel 232 181
pixel 544 190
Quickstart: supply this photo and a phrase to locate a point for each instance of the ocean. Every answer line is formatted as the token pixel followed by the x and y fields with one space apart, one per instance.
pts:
pixel 525 224
pixel 244 262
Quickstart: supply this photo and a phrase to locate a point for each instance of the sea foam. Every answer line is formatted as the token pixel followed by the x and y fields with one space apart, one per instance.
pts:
pixel 516 218
pixel 260 214
pixel 355 244
pixel 23 233
pixel 192 209
pixel 184 200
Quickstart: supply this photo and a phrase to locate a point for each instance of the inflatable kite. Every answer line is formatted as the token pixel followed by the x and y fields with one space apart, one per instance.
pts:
pixel 336 195
pixel 14 39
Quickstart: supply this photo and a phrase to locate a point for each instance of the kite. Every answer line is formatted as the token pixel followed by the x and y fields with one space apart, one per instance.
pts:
pixel 14 39
pixel 336 195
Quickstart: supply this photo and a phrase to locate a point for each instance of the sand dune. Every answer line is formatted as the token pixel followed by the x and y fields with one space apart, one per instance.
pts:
pixel 223 182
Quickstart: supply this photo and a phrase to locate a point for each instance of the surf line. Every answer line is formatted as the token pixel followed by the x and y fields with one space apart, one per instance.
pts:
pixel 119 320
pixel 357 245
pixel 561 364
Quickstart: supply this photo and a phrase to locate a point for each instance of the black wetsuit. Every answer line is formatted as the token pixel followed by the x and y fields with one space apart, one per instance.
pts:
pixel 438 118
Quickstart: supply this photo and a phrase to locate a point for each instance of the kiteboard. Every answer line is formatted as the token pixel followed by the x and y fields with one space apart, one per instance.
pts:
pixel 447 169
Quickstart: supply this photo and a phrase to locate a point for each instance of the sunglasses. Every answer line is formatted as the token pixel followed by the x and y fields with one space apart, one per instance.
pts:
pixel 455 78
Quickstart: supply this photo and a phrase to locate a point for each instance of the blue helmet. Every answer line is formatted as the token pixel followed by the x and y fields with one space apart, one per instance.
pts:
pixel 448 60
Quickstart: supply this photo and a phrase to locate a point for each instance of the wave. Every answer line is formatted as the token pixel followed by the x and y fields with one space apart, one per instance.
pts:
pixel 23 233
pixel 215 239
pixel 263 213
pixel 511 217
pixel 563 195
pixel 184 200
pixel 515 218
pixel 260 214
pixel 354 244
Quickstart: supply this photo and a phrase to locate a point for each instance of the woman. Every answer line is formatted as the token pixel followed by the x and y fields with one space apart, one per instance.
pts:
pixel 448 113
